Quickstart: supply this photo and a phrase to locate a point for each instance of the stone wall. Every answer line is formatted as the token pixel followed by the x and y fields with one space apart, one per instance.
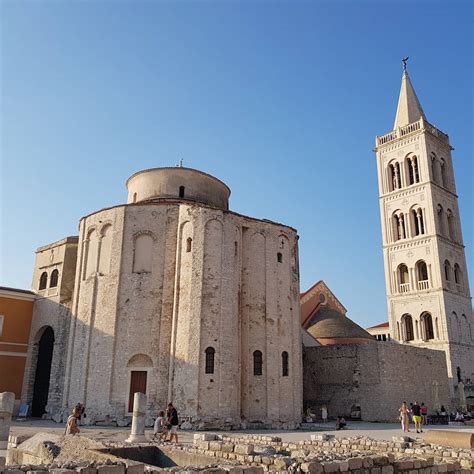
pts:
pixel 376 377
pixel 159 283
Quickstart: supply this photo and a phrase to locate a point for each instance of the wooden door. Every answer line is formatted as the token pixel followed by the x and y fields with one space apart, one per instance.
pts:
pixel 137 384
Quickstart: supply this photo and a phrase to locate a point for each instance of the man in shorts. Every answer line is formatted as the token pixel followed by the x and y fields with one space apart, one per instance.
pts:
pixel 173 422
pixel 417 418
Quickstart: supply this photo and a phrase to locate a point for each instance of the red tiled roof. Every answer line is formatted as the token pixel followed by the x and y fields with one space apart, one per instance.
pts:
pixel 381 325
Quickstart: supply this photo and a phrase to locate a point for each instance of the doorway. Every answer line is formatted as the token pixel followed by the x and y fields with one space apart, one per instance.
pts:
pixel 43 372
pixel 137 384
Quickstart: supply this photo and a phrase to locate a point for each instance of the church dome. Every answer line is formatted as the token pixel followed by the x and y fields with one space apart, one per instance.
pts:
pixel 177 183
pixel 332 327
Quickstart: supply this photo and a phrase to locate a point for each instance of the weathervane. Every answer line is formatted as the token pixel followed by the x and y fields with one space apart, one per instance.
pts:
pixel 404 61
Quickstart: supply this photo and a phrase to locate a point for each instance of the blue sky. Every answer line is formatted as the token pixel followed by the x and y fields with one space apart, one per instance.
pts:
pixel 281 100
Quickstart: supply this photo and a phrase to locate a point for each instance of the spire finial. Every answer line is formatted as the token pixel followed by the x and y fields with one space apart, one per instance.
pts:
pixel 404 61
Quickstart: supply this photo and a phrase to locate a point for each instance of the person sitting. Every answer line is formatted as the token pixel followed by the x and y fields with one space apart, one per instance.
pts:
pixel 459 417
pixel 340 423
pixel 160 427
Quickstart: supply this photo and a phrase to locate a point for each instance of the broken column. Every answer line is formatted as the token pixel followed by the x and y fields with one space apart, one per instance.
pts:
pixel 137 434
pixel 7 400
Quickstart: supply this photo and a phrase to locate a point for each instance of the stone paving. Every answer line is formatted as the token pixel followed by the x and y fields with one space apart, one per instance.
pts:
pixel 379 431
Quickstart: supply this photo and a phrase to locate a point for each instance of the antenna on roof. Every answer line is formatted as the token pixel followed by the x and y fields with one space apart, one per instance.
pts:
pixel 180 164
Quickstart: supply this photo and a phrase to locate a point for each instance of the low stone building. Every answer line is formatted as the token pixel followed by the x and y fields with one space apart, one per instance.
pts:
pixel 372 380
pixel 176 296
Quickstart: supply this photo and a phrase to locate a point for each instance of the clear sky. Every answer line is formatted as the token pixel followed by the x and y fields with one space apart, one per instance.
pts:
pixel 281 100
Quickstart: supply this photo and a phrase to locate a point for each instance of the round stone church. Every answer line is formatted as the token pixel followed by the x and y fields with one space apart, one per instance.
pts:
pixel 175 296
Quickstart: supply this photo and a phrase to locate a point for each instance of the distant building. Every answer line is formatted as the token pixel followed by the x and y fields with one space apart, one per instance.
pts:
pixel 324 317
pixel 16 310
pixel 381 332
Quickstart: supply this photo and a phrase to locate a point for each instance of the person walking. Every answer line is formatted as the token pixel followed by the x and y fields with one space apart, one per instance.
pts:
pixel 404 417
pixel 424 414
pixel 173 421
pixel 417 418
pixel 71 424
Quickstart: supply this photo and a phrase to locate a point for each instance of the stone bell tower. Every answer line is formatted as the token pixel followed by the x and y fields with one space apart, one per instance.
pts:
pixel 429 303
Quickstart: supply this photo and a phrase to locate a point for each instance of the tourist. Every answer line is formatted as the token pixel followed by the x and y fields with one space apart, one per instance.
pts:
pixel 71 424
pixel 80 409
pixel 443 411
pixel 424 414
pixel 459 417
pixel 160 428
pixel 324 413
pixel 410 413
pixel 404 417
pixel 417 418
pixel 340 423
pixel 173 422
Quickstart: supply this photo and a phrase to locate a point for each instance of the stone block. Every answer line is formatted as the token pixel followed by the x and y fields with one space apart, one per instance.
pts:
pixel 387 470
pixel 227 447
pixel 86 470
pixel 62 471
pixel 404 465
pixel 312 467
pixel 331 466
pixel 215 445
pixel 376 470
pixel 110 469
pixel 243 449
pixel 13 471
pixel 281 463
pixel 380 460
pixel 137 468
pixel 204 437
pixel 355 463
pixel 252 470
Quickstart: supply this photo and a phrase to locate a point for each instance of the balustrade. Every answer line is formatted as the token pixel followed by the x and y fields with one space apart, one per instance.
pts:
pixel 404 287
pixel 423 284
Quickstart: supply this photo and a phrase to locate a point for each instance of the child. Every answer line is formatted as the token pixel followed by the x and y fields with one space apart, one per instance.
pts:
pixel 160 427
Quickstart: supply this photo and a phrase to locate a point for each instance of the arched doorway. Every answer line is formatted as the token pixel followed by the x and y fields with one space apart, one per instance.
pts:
pixel 43 372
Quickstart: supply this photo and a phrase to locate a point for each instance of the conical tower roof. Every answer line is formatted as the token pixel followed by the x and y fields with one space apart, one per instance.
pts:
pixel 409 109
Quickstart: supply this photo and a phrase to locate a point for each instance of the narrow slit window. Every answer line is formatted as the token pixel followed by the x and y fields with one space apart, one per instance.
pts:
pixel 257 363
pixel 189 244
pixel 210 353
pixel 279 257
pixel 181 191
pixel 284 364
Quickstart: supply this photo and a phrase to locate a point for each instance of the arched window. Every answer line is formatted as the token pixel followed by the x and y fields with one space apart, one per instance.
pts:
pixel 279 257
pixel 257 363
pixel 457 277
pixel 403 278
pixel 451 228
pixel 409 168
pixel 441 219
pixel 134 197
pixel 444 177
pixel 105 250
pixel 210 353
pixel 189 244
pixel 43 283
pixel 53 281
pixel 422 275
pixel 399 229
pixel 427 326
pixel 417 222
pixel 181 191
pixel 394 176
pixel 284 364
pixel 465 327
pixel 434 168
pixel 407 328
pixel 416 171
pixel 447 270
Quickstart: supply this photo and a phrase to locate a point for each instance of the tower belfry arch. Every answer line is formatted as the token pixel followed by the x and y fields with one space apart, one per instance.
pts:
pixel 422 238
